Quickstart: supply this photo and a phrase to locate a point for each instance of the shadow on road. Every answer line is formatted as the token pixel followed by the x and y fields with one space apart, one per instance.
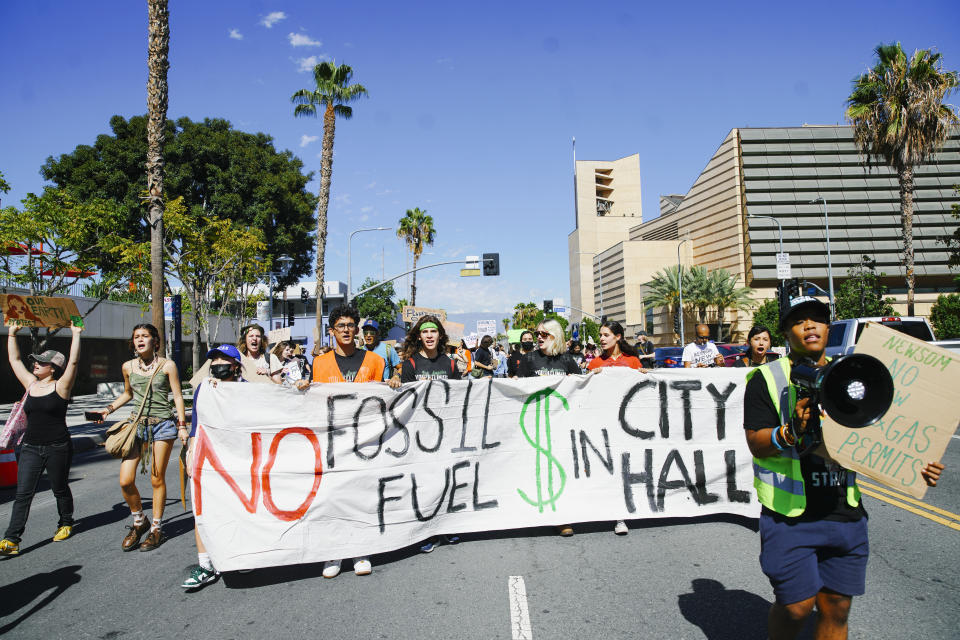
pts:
pixel 724 614
pixel 18 595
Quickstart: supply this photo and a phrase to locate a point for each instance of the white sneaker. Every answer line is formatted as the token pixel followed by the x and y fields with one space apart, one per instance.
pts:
pixel 362 566
pixel 621 528
pixel 331 568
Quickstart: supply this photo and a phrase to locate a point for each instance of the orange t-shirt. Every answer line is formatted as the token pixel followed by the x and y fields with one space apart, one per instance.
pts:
pixel 620 361
pixel 325 368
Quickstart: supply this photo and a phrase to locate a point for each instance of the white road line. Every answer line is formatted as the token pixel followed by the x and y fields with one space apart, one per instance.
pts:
pixel 519 614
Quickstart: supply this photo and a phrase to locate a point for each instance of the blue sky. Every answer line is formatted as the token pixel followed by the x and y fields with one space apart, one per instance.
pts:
pixel 472 106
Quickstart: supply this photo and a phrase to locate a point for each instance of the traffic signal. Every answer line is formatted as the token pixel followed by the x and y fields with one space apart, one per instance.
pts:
pixel 786 291
pixel 304 295
pixel 491 264
pixel 548 306
pixel 290 318
pixel 676 323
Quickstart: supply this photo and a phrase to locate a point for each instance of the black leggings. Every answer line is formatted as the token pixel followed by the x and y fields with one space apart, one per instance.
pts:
pixel 56 458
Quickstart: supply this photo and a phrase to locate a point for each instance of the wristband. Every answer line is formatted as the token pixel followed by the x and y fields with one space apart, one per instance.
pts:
pixel 774 440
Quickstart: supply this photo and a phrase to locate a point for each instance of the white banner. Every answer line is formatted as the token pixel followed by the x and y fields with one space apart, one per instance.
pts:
pixel 345 470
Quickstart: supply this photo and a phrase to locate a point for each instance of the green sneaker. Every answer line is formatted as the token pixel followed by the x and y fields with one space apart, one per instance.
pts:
pixel 9 547
pixel 200 577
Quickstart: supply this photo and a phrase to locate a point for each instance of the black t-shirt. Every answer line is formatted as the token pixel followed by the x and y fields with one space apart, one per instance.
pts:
pixel 824 482
pixel 513 363
pixel 418 367
pixel 644 348
pixel 536 363
pixel 482 355
pixel 745 359
pixel 350 365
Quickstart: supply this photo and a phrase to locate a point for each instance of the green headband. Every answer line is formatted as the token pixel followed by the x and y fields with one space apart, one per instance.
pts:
pixel 428 325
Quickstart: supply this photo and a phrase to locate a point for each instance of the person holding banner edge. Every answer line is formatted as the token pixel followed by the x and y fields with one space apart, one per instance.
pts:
pixel 813 527
pixel 46 441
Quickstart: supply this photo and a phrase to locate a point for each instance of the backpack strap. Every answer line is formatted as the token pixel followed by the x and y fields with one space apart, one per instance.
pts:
pixel 412 363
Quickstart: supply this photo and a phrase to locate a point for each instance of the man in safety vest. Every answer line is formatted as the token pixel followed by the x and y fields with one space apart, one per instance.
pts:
pixel 346 363
pixel 813 527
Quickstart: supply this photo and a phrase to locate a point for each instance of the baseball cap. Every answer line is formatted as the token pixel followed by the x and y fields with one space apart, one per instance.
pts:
pixel 227 350
pixel 50 357
pixel 641 333
pixel 370 322
pixel 803 303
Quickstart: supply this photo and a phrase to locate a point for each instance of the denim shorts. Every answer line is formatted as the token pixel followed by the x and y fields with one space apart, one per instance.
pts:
pixel 801 558
pixel 165 430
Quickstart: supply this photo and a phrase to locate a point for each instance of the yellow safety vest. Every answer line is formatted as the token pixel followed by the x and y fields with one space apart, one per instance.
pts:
pixel 777 479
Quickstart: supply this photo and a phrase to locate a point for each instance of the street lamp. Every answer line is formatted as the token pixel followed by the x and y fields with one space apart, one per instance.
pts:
pixel 600 271
pixel 285 262
pixel 680 288
pixel 350 264
pixel 779 226
pixel 826 223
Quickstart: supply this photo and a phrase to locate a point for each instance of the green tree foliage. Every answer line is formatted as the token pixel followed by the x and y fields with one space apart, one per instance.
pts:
pixel 218 171
pixel 900 116
pixel 952 241
pixel 702 289
pixel 698 291
pixel 76 239
pixel 862 294
pixel 945 316
pixel 417 231
pixel 768 315
pixel 665 288
pixel 331 93
pixel 725 294
pixel 525 315
pixel 589 329
pixel 378 304
pixel 4 185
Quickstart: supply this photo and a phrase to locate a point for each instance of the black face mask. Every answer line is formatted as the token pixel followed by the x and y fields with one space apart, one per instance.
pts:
pixel 526 346
pixel 222 371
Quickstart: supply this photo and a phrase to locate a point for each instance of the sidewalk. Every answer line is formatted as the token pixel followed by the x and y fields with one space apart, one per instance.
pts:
pixel 86 435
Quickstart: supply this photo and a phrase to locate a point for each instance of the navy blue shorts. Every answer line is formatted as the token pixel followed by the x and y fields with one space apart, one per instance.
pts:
pixel 801 558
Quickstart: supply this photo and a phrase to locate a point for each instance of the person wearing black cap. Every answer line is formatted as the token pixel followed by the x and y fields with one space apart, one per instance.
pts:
pixel 813 527
pixel 372 342
pixel 46 441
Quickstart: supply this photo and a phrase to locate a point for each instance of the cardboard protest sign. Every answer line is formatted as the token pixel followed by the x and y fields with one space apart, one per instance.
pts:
pixel 278 335
pixel 412 314
pixel 917 427
pixel 348 470
pixel 37 311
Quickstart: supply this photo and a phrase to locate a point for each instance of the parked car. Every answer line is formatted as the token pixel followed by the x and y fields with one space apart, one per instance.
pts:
pixel 668 357
pixel 845 333
pixel 952 345
pixel 731 352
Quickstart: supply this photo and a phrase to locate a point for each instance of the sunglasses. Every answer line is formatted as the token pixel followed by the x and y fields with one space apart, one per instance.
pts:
pixel 702 338
pixel 544 334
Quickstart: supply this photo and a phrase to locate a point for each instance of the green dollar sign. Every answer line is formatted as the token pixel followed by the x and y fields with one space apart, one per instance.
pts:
pixel 542 443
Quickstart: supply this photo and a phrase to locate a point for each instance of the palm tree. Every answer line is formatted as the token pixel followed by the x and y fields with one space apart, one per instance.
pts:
pixel 506 325
pixel 665 289
pixel 725 294
pixel 898 114
pixel 416 229
pixel 698 291
pixel 332 92
pixel 158 48
pixel 525 315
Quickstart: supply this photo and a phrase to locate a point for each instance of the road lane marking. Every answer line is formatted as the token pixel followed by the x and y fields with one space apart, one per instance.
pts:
pixel 907 507
pixel 900 496
pixel 519 613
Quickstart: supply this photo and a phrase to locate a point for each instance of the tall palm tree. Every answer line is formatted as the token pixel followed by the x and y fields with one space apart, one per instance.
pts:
pixel 525 314
pixel 898 114
pixel 158 48
pixel 416 229
pixel 698 291
pixel 332 93
pixel 665 289
pixel 725 294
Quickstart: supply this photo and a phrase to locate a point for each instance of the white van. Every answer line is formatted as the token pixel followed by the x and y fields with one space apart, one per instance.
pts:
pixel 845 333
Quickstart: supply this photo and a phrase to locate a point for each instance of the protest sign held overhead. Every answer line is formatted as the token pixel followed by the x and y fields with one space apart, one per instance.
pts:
pixel 919 423
pixel 348 471
pixel 37 311
pixel 412 314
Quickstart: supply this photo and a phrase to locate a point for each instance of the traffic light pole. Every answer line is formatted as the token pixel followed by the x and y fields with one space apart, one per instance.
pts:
pixel 405 273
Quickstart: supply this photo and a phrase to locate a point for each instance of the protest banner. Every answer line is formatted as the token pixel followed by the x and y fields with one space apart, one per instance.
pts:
pixel 412 314
pixel 917 427
pixel 487 328
pixel 348 470
pixel 278 335
pixel 37 311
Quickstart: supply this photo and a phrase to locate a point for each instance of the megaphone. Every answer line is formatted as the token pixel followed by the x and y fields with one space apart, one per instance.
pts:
pixel 855 390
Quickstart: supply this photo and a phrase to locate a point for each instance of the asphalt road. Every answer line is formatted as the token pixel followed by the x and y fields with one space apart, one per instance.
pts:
pixel 667 579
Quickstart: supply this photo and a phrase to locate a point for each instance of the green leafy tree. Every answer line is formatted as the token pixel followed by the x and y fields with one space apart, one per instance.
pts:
pixel 4 185
pixel 417 231
pixel 726 295
pixel 378 304
pixel 945 316
pixel 862 293
pixel 525 315
pixel 665 289
pixel 699 291
pixel 332 93
pixel 899 115
pixel 589 328
pixel 217 170
pixel 768 315
pixel 952 241
pixel 58 241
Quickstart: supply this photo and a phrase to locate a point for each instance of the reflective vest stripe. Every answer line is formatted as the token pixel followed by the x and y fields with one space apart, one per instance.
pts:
pixel 780 481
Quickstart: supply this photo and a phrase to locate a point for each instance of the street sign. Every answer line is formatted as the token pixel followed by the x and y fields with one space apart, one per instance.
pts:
pixel 560 310
pixel 470 272
pixel 472 262
pixel 783 266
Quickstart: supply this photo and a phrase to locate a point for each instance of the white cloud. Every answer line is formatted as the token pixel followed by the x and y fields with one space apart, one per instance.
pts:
pixel 343 199
pixel 302 40
pixel 364 218
pixel 371 185
pixel 366 209
pixel 307 64
pixel 235 34
pixel 305 139
pixel 384 192
pixel 273 18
